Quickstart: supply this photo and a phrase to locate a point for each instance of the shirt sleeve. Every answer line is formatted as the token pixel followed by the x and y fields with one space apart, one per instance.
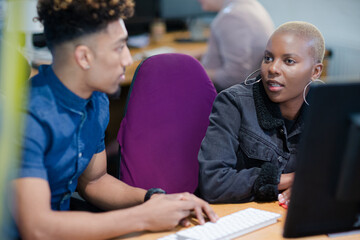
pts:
pixel 34 146
pixel 104 117
pixel 220 180
pixel 101 146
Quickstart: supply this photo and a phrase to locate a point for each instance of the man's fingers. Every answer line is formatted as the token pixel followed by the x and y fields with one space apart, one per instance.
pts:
pixel 201 207
pixel 190 202
pixel 185 222
pixel 199 215
pixel 209 212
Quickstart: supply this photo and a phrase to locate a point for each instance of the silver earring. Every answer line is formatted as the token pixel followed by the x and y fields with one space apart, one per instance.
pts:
pixel 87 67
pixel 304 92
pixel 252 80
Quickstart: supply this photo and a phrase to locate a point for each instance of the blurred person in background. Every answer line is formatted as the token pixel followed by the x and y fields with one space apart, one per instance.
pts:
pixel 238 37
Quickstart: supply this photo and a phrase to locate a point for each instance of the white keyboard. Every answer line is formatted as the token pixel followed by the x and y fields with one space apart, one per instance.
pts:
pixel 228 227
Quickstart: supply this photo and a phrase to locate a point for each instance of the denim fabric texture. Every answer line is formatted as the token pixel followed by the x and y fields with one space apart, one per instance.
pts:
pixel 246 130
pixel 62 133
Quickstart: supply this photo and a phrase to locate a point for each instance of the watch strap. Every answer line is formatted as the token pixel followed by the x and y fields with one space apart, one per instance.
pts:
pixel 152 191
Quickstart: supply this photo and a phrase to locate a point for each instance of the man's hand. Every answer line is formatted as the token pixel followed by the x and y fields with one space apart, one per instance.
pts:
pixel 165 212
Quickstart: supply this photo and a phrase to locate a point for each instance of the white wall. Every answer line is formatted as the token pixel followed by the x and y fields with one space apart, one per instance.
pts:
pixel 338 20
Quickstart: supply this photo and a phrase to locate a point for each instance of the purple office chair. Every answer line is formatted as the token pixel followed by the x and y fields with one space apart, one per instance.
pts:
pixel 166 117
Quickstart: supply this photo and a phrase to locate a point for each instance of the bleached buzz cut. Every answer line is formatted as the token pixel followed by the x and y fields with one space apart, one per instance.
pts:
pixel 309 32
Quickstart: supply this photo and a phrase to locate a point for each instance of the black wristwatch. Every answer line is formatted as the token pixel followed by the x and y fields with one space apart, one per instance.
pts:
pixel 152 191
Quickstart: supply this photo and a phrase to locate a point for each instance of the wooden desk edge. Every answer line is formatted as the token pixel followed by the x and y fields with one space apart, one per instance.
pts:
pixel 273 232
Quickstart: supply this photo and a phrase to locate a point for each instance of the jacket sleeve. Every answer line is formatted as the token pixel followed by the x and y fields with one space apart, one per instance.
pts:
pixel 219 179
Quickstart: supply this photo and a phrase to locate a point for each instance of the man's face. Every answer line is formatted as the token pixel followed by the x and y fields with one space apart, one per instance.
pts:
pixel 110 57
pixel 287 67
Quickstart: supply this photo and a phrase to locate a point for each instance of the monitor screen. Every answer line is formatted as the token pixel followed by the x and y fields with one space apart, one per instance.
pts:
pixel 180 9
pixel 325 195
pixel 175 13
pixel 145 12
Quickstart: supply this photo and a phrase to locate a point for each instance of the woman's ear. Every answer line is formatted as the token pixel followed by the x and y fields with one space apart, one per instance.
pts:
pixel 317 71
pixel 83 56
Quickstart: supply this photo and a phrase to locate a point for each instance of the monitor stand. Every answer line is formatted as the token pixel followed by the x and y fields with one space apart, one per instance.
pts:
pixel 341 234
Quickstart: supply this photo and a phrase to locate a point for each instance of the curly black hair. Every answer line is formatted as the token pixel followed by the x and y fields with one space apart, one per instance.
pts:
pixel 66 20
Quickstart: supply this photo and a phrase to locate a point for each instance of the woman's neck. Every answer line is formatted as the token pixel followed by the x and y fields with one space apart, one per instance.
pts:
pixel 290 111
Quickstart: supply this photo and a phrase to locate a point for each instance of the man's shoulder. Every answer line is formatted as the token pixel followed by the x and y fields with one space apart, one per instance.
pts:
pixel 247 14
pixel 41 98
pixel 231 18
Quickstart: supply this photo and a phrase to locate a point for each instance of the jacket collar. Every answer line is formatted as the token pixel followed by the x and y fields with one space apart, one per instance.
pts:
pixel 269 114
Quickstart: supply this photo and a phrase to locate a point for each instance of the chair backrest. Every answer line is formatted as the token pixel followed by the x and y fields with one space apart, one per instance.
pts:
pixel 166 117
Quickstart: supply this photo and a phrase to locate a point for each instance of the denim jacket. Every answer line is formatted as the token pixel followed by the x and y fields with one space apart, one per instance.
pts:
pixel 246 131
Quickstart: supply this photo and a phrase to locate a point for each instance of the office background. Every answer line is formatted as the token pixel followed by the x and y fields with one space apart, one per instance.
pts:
pixel 339 22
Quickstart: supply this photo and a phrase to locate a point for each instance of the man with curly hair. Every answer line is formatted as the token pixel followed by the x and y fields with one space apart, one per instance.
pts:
pixel 63 145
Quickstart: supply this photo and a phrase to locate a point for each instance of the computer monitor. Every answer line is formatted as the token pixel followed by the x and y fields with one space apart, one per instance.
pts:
pixel 325 195
pixel 146 11
pixel 180 9
pixel 175 13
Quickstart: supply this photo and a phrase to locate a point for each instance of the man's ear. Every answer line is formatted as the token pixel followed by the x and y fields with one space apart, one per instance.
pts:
pixel 317 71
pixel 83 56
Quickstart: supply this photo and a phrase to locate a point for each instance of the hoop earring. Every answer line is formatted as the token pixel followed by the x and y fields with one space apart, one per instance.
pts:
pixel 316 80
pixel 253 79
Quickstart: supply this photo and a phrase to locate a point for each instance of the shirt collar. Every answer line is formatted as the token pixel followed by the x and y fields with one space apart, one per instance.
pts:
pixel 64 95
pixel 268 113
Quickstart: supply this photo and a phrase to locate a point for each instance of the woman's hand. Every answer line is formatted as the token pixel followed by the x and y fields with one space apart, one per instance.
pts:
pixel 286 181
pixel 284 198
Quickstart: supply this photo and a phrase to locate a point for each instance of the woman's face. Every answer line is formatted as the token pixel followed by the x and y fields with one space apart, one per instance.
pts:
pixel 287 67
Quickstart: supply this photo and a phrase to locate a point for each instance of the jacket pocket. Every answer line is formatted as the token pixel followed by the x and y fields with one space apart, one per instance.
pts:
pixel 255 147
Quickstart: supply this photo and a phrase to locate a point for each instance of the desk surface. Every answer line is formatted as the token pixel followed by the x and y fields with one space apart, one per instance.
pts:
pixel 194 49
pixel 272 232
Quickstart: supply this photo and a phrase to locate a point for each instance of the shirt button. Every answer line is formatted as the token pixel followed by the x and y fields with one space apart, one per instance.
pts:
pixel 70 182
pixel 281 131
pixel 80 155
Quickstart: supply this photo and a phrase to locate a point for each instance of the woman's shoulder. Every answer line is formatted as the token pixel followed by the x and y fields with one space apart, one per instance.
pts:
pixel 239 90
pixel 239 95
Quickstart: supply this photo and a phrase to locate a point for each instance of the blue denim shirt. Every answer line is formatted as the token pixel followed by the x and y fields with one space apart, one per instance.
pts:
pixel 63 132
pixel 246 130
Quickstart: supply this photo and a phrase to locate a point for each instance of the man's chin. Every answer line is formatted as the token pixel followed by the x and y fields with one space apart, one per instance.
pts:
pixel 114 94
